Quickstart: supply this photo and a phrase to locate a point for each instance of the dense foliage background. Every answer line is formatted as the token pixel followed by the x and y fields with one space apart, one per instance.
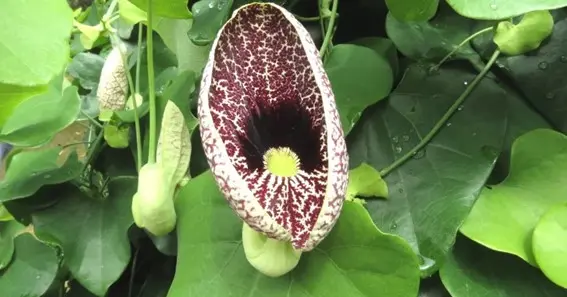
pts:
pixel 468 140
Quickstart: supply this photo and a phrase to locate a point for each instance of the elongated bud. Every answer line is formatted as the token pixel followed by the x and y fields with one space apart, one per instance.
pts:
pixel 152 205
pixel 112 89
pixel 174 144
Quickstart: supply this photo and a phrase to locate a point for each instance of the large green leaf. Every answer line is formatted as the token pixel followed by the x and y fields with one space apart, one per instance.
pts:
pixel 501 9
pixel 431 194
pixel 434 39
pixel 34 41
pixel 174 34
pixel 36 120
pixel 504 216
pixel 550 244
pixel 175 9
pixel 472 270
pixel 92 231
pixel 541 75
pixel 383 47
pixel 359 77
pixel 32 270
pixel 209 17
pixel 356 259
pixel 28 171
pixel 8 231
pixel 412 10
pixel 12 95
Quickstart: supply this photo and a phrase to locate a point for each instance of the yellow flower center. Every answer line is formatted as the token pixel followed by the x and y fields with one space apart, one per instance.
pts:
pixel 281 161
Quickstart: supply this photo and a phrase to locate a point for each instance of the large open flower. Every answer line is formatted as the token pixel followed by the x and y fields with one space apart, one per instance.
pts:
pixel 270 128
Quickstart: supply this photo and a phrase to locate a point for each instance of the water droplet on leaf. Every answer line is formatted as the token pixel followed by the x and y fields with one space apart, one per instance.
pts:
pixel 400 190
pixel 393 226
pixel 460 107
pixel 542 65
pixel 419 154
pixel 550 95
pixel 405 138
pixel 398 149
pixel 563 59
pixel 465 82
pixel 395 139
pixel 448 124
pixel 211 4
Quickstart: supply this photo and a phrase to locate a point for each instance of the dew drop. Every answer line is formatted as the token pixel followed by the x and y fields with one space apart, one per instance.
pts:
pixel 395 139
pixel 196 11
pixel 393 226
pixel 211 4
pixel 563 59
pixel 38 276
pixel 474 134
pixel 493 6
pixel 490 152
pixel 465 82
pixel 398 149
pixel 419 154
pixel 460 107
pixel 448 124
pixel 400 190
pixel 550 95
pixel 405 138
pixel 542 65
pixel 47 176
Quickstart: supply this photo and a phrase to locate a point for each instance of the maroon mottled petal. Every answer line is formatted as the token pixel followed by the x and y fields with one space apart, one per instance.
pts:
pixel 263 79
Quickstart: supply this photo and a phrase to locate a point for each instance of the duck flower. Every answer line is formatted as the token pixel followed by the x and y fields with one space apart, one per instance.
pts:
pixel 270 127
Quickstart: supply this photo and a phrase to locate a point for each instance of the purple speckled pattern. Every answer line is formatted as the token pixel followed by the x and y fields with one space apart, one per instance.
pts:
pixel 264 87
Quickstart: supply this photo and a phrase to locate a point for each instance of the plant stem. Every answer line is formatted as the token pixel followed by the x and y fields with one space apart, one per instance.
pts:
pixel 91 120
pixel 110 10
pixel 308 19
pixel 329 33
pixel 92 149
pixel 443 119
pixel 153 111
pixel 137 91
pixel 468 39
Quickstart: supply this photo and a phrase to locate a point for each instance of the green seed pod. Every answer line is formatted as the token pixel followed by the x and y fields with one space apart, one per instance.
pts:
pixel 113 84
pixel 526 36
pixel 116 136
pixel 152 205
pixel 174 145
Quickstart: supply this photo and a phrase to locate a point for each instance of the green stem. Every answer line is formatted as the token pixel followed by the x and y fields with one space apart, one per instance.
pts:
pixel 110 10
pixel 93 149
pixel 443 119
pixel 329 33
pixel 151 86
pixel 93 121
pixel 308 19
pixel 468 39
pixel 137 88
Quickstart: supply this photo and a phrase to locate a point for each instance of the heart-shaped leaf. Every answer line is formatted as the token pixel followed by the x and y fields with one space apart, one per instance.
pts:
pixel 504 216
pixel 36 120
pixel 526 36
pixel 208 17
pixel 356 259
pixel 30 170
pixel 453 166
pixel 32 270
pixel 92 231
